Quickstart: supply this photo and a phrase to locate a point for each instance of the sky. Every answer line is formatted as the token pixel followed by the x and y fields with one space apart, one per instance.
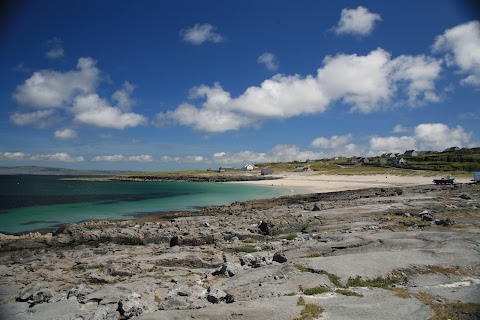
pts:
pixel 173 85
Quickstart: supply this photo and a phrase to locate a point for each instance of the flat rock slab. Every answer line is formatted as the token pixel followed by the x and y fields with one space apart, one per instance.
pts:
pixel 282 308
pixel 376 304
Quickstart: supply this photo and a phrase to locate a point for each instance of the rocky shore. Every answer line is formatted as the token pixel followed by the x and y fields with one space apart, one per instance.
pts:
pixel 378 253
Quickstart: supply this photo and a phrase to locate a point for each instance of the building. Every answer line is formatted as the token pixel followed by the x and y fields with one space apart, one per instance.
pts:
pixel 410 153
pixel 248 167
pixel 225 168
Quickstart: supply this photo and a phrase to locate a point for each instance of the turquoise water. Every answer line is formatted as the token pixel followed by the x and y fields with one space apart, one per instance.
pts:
pixel 29 203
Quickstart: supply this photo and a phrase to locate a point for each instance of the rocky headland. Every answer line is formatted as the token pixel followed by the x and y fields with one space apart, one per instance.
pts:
pixel 378 253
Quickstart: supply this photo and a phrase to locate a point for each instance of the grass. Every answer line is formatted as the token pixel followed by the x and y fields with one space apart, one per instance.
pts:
pixel 313 291
pixel 348 293
pixel 249 240
pixel 401 293
pixel 302 268
pixel 291 236
pixel 310 311
pixel 335 280
pixel 314 254
pixel 379 282
pixel 450 310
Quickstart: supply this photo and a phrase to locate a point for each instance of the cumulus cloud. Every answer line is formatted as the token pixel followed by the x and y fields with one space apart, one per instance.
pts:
pixel 201 33
pixel 438 136
pixel 400 129
pixel 279 153
pixel 333 142
pixel 357 21
pixel 119 157
pixel 56 157
pixel 269 60
pixel 185 159
pixel 94 111
pixel 65 134
pixel 392 144
pixel 462 44
pixel 54 48
pixel 337 146
pixel 420 72
pixel 366 83
pixel 38 119
pixel 122 97
pixel 427 136
pixel 53 89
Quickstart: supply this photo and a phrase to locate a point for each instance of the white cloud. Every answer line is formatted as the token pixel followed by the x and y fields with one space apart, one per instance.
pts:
pixel 463 42
pixel 337 146
pixel 94 111
pixel 219 154
pixel 420 72
pixel 438 136
pixel 400 129
pixel 392 144
pixel 122 96
pixel 367 83
pixel 426 136
pixel 331 143
pixel 54 48
pixel 280 153
pixel 56 157
pixel 357 21
pixel 119 157
pixel 269 60
pixel 52 89
pixel 204 119
pixel 37 119
pixel 65 134
pixel 201 33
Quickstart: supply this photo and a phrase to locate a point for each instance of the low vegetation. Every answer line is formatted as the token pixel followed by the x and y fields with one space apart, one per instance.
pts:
pixel 310 311
pixel 291 236
pixel 379 282
pixel 313 291
pixel 450 310
pixel 348 293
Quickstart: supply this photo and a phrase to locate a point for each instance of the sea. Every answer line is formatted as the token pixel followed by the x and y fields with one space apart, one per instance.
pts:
pixel 43 203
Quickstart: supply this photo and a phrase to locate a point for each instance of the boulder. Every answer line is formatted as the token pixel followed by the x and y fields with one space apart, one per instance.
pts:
pixel 132 306
pixel 219 296
pixel 228 269
pixel 35 293
pixel 279 257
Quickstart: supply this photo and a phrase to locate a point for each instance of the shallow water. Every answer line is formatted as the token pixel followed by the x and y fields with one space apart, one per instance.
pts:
pixel 30 203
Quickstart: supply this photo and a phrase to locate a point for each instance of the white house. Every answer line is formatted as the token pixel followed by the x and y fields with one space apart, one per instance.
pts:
pixel 248 167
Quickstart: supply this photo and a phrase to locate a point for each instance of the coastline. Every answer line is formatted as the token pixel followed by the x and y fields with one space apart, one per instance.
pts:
pixel 344 251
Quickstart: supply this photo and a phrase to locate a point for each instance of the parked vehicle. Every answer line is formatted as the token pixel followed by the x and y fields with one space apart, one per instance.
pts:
pixel 444 180
pixel 476 178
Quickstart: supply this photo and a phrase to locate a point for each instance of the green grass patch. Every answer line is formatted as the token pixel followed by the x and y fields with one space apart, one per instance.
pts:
pixel 380 282
pixel 313 291
pixel 348 293
pixel 291 236
pixel 249 240
pixel 310 311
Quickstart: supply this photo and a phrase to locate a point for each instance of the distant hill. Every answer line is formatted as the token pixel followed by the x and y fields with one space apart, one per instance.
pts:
pixel 34 170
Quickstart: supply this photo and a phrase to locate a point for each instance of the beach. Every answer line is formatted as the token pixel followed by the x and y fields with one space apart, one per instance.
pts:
pixel 371 247
pixel 313 182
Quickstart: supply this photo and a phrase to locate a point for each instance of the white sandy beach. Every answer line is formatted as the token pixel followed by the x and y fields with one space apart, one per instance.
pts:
pixel 309 182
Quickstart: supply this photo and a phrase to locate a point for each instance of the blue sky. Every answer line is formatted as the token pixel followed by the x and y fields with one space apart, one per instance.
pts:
pixel 163 85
